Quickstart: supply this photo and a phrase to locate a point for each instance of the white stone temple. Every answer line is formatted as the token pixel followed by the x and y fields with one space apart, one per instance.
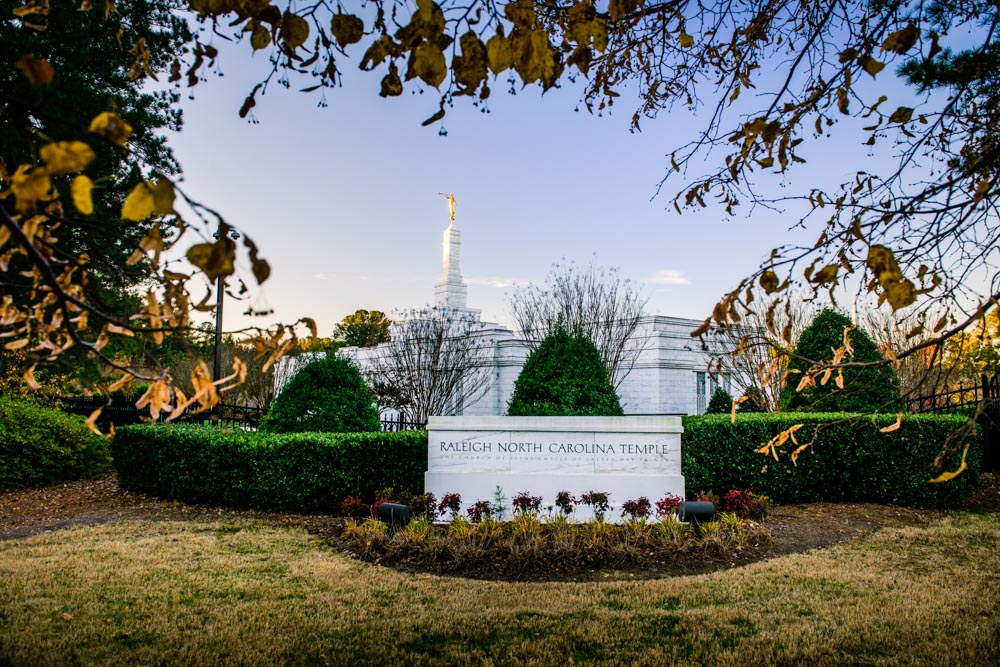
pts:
pixel 668 378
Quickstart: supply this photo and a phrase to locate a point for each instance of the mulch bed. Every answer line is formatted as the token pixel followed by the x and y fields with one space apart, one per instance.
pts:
pixel 794 528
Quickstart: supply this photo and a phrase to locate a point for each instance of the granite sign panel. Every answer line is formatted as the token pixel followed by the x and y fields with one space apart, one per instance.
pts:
pixel 627 457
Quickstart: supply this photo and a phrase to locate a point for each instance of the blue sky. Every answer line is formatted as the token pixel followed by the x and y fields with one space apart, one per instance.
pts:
pixel 344 203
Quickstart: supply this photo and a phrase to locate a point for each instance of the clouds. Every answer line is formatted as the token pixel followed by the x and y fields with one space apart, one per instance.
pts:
pixel 667 277
pixel 496 281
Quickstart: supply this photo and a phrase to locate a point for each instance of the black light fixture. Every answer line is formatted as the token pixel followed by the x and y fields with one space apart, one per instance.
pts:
pixel 220 293
pixel 697 513
pixel 394 515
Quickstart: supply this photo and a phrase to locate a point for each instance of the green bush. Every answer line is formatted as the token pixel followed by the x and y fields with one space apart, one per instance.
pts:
pixel 40 445
pixel 327 395
pixel 304 472
pixel 865 389
pixel 564 376
pixel 848 460
pixel 721 402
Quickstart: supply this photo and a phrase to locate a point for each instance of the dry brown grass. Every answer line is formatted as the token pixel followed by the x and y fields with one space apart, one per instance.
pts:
pixel 244 593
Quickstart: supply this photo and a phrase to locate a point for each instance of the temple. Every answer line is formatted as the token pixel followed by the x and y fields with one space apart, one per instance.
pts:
pixel 669 376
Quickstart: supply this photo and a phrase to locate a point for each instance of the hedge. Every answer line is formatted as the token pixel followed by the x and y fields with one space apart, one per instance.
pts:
pixel 849 461
pixel 304 472
pixel 40 445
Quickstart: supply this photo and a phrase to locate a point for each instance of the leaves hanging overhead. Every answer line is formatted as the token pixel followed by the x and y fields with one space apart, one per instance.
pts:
pixel 347 29
pixel 294 30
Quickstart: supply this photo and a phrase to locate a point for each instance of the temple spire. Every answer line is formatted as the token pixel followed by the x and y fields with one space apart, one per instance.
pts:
pixel 450 291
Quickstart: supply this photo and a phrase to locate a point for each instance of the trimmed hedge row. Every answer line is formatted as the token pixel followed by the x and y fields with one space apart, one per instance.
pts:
pixel 305 472
pixel 849 461
pixel 40 445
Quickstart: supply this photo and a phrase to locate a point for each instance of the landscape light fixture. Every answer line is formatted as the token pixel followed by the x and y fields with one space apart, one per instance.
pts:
pixel 220 293
pixel 697 513
pixel 394 515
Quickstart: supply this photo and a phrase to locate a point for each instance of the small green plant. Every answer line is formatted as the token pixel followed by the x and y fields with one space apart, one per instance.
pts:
pixel 636 509
pixel 667 506
pixel 597 501
pixel 452 503
pixel 720 403
pixel 707 497
pixel 354 508
pixel 565 502
pixel 480 511
pixel 746 504
pixel 525 503
pixel 499 509
pixel 424 507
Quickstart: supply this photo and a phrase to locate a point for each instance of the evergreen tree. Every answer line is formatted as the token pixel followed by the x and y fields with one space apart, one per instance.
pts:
pixel 564 376
pixel 720 403
pixel 327 395
pixel 864 389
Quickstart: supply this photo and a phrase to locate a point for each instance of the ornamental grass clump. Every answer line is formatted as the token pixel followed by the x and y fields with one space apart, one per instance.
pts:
pixel 534 548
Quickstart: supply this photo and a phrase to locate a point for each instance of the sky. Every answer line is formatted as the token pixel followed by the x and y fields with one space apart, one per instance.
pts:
pixel 342 197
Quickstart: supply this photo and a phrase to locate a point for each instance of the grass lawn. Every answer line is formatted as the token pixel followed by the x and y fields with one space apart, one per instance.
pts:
pixel 234 593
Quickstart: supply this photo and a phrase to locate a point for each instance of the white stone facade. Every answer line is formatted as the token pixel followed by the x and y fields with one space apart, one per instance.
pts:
pixel 668 378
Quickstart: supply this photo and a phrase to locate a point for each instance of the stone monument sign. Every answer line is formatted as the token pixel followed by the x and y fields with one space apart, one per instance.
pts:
pixel 626 457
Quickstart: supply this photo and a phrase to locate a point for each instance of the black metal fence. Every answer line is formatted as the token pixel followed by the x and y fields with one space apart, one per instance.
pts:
pixel 982 400
pixel 399 422
pixel 121 413
pixel 245 417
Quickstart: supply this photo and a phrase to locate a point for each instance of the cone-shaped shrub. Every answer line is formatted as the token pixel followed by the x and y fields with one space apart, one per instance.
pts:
pixel 327 395
pixel 720 403
pixel 564 376
pixel 865 389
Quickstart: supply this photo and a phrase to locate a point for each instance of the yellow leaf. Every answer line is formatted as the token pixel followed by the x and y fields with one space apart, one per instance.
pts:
pixel 261 269
pixel 29 185
pixel 38 71
pixel 294 30
pixel 80 190
pixel 111 127
pixel 686 40
pixel 901 41
pixel 214 259
pixel 147 199
pixel 121 382
pixel 429 64
pixel 945 476
pixel 91 422
pixel 899 291
pixel 871 65
pixel 893 427
pixel 391 86
pixel 347 29
pixel 536 59
pixel 66 157
pixel 769 281
pixel 139 203
pixel 470 67
pixel 260 37
pixel 500 52
pixel 29 378
pixel 901 115
pixel 732 412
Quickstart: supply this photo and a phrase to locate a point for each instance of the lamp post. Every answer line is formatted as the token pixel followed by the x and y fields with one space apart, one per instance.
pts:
pixel 220 293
